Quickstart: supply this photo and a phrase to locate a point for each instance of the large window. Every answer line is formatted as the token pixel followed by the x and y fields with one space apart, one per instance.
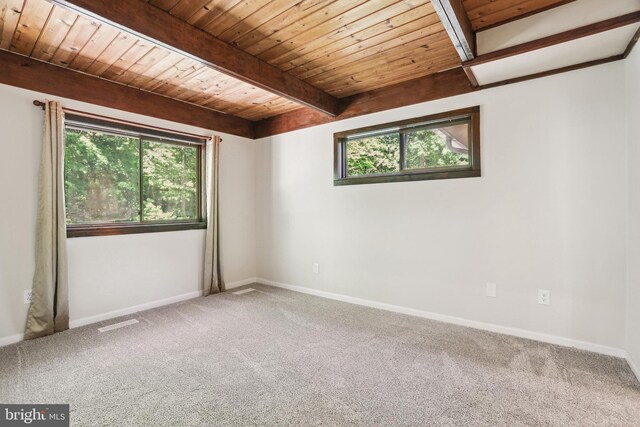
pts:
pixel 125 179
pixel 441 146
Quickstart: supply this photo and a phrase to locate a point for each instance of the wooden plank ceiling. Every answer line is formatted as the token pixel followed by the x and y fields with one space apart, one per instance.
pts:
pixel 47 32
pixel 342 47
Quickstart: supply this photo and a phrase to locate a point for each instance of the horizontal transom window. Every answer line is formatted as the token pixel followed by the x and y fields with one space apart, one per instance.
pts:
pixel 124 179
pixel 440 146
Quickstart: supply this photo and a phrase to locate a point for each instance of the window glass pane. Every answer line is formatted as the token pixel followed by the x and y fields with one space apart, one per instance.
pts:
pixel 441 147
pixel 101 177
pixel 373 154
pixel 169 181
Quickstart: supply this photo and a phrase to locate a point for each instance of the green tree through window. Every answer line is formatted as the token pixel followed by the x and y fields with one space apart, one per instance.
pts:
pixel 119 179
pixel 445 145
pixel 101 178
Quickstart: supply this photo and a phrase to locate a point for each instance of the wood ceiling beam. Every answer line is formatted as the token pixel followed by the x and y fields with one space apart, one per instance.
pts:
pixel 434 86
pixel 458 27
pixel 31 74
pixel 566 36
pixel 154 24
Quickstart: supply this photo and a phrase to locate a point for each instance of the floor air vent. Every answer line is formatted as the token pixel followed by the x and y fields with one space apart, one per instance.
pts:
pixel 243 291
pixel 118 325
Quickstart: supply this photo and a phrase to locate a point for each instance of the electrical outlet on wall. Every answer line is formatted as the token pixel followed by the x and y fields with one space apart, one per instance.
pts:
pixel 544 296
pixel 492 290
pixel 27 296
pixel 316 268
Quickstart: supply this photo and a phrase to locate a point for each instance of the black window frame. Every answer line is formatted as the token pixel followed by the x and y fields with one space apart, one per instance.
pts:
pixel 470 115
pixel 79 122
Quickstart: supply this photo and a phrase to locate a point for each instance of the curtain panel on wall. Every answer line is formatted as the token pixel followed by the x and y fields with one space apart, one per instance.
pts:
pixel 49 308
pixel 213 281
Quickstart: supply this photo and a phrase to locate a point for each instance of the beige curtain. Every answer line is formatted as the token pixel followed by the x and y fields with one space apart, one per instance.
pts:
pixel 49 309
pixel 213 281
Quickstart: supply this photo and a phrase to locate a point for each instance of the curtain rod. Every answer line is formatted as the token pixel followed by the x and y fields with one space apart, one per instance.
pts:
pixel 127 122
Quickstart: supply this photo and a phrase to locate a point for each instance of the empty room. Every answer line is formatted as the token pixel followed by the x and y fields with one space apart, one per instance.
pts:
pixel 319 212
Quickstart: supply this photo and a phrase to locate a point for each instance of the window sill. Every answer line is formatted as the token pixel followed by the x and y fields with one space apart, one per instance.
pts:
pixel 408 176
pixel 117 229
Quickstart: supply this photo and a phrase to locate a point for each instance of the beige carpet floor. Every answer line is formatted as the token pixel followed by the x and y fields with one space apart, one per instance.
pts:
pixel 275 357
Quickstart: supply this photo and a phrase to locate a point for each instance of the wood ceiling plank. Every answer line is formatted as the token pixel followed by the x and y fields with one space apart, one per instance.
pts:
pixel 403 70
pixel 385 42
pixel 258 18
pixel 183 71
pixel 231 17
pixel 187 92
pixel 326 45
pixel 127 60
pixel 144 65
pixel 374 58
pixel 10 11
pixel 222 105
pixel 242 95
pixel 179 64
pixel 283 20
pixel 247 96
pixel 413 63
pixel 213 88
pixel 98 42
pixel 262 108
pixel 163 28
pixel 357 17
pixel 251 97
pixel 200 81
pixel 217 94
pixel 268 109
pixel 33 18
pixel 185 9
pixel 54 32
pixel 263 111
pixel 81 32
pixel 42 77
pixel 169 62
pixel 303 24
pixel 121 44
pixel 207 14
pixel 409 67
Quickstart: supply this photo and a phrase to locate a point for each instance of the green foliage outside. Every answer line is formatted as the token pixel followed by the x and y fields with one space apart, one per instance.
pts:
pixel 428 149
pixel 102 179
pixel 169 182
pixel 373 155
pixel 381 153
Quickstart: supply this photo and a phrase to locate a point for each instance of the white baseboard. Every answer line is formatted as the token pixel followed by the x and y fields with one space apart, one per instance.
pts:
pixel 12 339
pixel 522 333
pixel 633 366
pixel 239 283
pixel 134 309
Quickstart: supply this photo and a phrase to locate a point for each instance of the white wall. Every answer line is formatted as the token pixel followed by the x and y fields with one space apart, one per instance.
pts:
pixel 108 274
pixel 548 212
pixel 633 120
